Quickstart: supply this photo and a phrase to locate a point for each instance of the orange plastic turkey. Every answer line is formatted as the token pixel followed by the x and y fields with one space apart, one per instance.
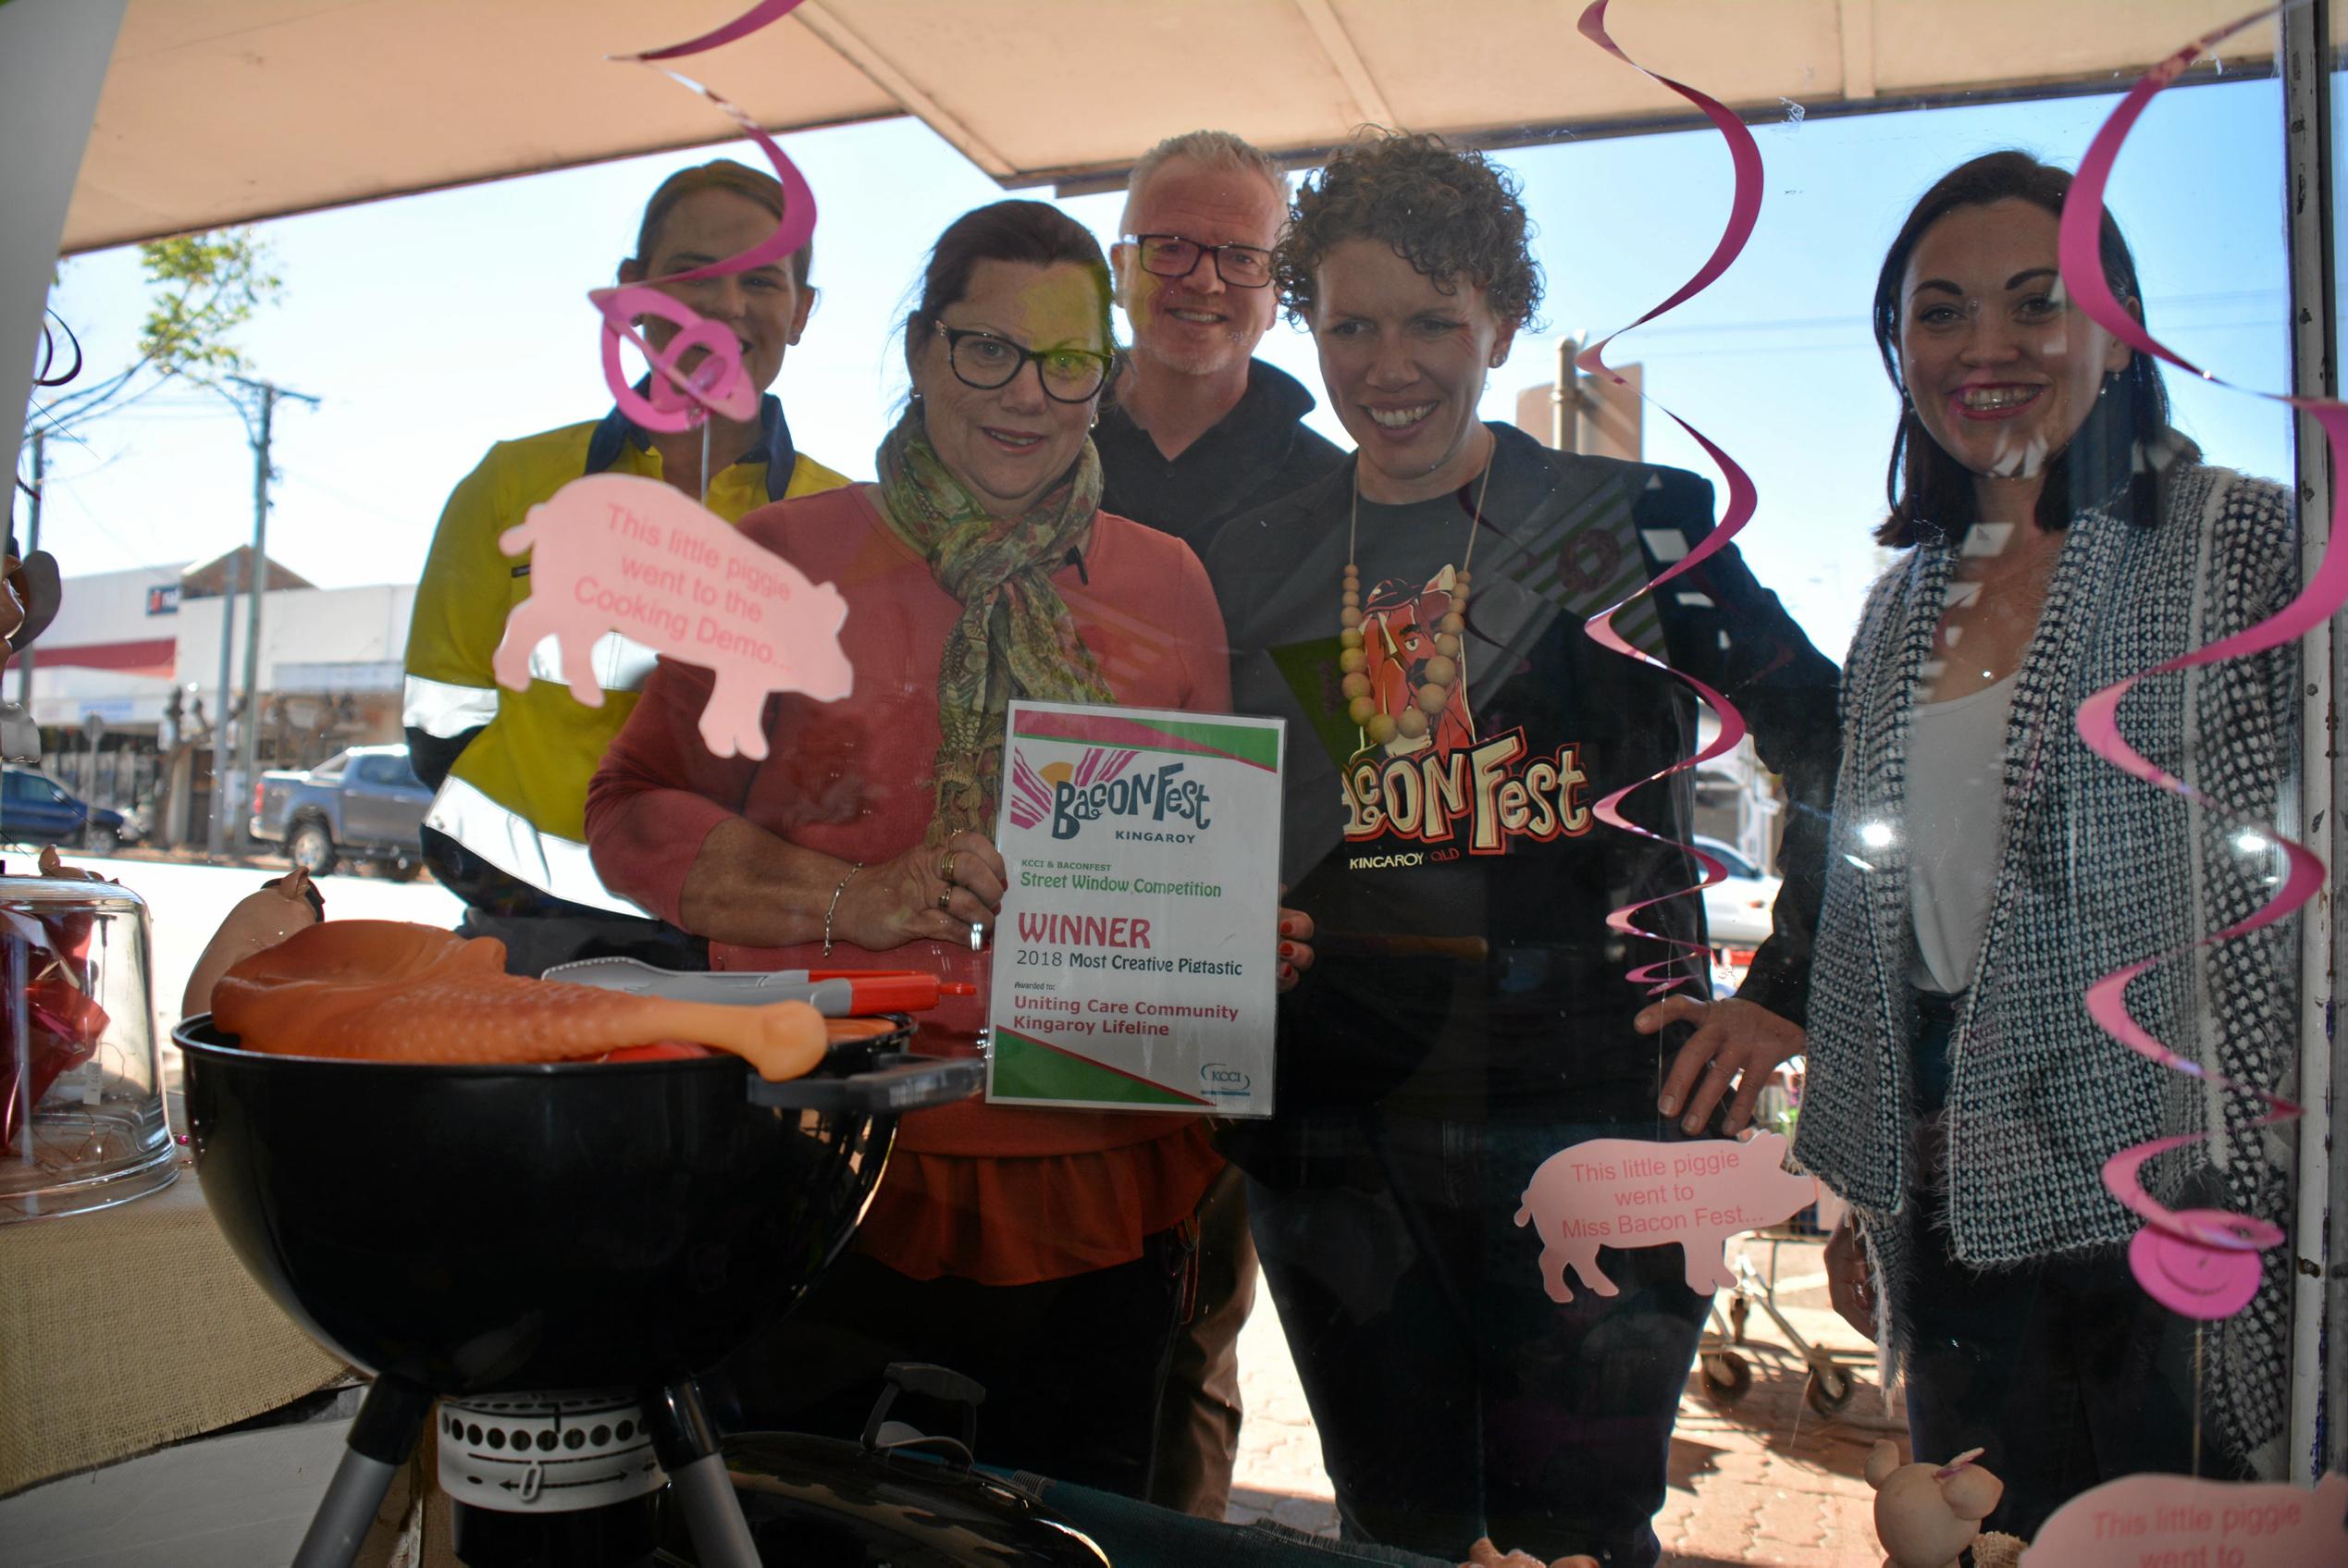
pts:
pixel 389 991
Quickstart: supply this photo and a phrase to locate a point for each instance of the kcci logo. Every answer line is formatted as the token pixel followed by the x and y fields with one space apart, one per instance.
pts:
pixel 1221 1079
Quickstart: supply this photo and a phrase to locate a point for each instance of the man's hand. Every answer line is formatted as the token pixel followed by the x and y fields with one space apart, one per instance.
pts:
pixel 1734 1042
pixel 1850 1285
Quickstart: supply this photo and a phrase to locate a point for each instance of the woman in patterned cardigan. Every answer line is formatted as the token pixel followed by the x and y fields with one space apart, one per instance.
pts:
pixel 1985 867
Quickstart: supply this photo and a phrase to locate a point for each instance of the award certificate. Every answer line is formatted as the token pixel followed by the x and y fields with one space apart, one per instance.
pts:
pixel 1135 957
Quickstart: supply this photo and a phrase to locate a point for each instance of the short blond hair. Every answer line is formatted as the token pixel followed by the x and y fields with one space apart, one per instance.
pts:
pixel 1215 149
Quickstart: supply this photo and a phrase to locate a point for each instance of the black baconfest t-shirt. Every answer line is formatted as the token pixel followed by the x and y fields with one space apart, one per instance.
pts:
pixel 1459 880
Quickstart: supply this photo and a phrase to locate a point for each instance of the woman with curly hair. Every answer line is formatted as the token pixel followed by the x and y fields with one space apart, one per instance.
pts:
pixel 1417 618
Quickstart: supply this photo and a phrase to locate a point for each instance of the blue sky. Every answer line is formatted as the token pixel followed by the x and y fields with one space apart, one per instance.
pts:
pixel 435 324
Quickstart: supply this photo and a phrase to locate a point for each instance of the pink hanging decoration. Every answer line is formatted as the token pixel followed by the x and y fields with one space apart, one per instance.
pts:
pixel 680 400
pixel 2202 1263
pixel 716 381
pixel 1744 212
pixel 742 26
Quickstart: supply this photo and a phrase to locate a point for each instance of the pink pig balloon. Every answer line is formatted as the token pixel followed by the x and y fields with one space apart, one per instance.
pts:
pixel 2181 1519
pixel 1631 1192
pixel 617 553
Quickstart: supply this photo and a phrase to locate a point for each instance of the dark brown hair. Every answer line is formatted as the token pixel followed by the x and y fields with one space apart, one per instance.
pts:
pixel 2123 446
pixel 718 174
pixel 1033 232
pixel 1450 213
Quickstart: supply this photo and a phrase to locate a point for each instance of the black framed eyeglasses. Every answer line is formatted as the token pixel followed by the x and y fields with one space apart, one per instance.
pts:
pixel 1171 255
pixel 985 360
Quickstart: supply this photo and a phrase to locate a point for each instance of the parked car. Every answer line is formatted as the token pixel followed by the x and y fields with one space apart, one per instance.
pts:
pixel 36 809
pixel 1736 911
pixel 363 804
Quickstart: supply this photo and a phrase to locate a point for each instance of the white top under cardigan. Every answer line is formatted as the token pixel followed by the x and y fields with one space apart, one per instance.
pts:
pixel 1956 767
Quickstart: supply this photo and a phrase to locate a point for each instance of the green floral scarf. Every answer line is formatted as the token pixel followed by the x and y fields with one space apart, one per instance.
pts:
pixel 1016 637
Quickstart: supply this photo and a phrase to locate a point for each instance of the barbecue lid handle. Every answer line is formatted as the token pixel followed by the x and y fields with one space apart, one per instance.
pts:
pixel 899 1084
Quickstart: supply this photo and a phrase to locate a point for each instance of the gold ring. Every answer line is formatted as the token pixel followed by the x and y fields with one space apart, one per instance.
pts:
pixel 945 898
pixel 945 867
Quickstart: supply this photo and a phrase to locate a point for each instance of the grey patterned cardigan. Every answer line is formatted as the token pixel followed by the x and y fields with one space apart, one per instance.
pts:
pixel 2095 870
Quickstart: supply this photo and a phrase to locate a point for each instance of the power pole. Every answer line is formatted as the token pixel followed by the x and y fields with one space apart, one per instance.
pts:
pixel 219 814
pixel 32 542
pixel 1595 415
pixel 263 430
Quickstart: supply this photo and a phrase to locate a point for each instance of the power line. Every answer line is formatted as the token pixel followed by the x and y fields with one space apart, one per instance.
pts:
pixel 351 500
pixel 112 538
pixel 2155 306
pixel 1866 346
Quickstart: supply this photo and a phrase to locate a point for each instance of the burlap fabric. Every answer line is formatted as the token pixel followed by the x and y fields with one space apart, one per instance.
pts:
pixel 127 1329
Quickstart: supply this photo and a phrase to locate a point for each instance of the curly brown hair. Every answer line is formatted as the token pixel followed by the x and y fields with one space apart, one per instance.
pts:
pixel 1449 211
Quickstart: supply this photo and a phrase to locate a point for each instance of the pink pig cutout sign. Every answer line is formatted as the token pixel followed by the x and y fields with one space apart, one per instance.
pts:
pixel 1631 1192
pixel 2153 1518
pixel 617 553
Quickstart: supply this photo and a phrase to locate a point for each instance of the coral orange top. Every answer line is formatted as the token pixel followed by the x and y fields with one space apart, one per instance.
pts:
pixel 1005 1195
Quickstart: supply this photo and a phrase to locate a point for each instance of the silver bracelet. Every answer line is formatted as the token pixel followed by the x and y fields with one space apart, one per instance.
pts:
pixel 834 908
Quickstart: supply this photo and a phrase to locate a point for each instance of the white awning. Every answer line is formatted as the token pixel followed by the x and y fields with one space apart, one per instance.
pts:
pixel 223 111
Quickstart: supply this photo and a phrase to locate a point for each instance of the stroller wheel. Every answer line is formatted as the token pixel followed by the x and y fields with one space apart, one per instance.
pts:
pixel 1728 1377
pixel 1829 1390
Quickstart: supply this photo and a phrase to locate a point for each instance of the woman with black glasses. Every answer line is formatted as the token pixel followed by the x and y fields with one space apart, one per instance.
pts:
pixel 1041 1252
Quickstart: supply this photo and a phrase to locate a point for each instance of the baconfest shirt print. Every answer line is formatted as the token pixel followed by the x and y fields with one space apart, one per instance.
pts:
pixel 1437 785
pixel 1458 879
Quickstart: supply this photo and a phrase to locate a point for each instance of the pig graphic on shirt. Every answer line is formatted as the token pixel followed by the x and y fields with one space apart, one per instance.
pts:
pixel 1629 1192
pixel 621 553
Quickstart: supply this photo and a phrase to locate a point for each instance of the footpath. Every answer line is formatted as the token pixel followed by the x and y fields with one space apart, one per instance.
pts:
pixel 1764 1480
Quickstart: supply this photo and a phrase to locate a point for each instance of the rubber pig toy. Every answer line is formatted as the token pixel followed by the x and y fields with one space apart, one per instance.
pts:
pixel 1926 1515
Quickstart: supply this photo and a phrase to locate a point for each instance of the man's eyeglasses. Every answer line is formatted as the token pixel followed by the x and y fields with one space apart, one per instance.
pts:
pixel 1171 255
pixel 981 359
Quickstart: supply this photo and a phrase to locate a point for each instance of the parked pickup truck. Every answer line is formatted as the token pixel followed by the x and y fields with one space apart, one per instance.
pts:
pixel 363 804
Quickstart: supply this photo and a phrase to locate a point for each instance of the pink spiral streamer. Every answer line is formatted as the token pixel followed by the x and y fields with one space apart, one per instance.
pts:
pixel 681 399
pixel 2098 721
pixel 742 26
pixel 41 378
pixel 1744 212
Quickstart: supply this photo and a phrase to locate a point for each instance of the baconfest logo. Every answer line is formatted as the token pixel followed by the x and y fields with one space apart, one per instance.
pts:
pixel 1150 779
pixel 1103 785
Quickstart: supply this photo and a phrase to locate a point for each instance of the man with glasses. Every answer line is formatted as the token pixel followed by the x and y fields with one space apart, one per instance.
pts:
pixel 1199 429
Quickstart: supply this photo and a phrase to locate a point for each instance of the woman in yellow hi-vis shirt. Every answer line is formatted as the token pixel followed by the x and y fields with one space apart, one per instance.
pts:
pixel 506 831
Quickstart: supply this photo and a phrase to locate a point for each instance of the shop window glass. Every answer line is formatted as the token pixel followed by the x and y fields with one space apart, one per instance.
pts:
pixel 1463 1129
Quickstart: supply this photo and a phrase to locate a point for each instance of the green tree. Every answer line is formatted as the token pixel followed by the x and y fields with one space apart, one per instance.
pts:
pixel 201 289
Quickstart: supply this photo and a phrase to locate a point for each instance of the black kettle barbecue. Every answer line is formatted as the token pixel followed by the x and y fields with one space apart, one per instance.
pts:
pixel 552 1251
pixel 897 1497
